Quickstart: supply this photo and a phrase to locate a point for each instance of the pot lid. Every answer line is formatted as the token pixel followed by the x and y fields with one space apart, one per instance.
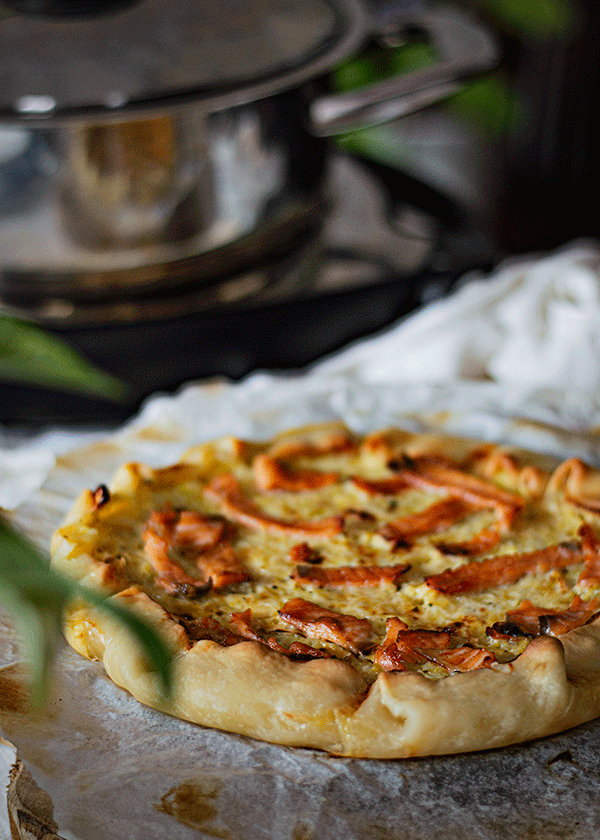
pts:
pixel 95 58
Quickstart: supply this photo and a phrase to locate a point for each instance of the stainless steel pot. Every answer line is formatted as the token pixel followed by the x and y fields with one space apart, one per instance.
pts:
pixel 161 142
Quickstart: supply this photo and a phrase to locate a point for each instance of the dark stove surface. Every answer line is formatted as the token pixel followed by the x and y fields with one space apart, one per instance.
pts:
pixel 386 245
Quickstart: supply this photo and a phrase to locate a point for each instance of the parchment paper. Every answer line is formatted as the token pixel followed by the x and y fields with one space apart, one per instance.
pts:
pixel 115 769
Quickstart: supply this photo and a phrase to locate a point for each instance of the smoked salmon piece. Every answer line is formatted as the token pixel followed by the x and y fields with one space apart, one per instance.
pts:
pixel 436 518
pixel 194 531
pixel 403 647
pixel 221 566
pixel 226 490
pixel 590 574
pixel 208 628
pixel 303 553
pixel 356 634
pixel 170 576
pixel 482 542
pixel 340 577
pixel 203 541
pixel 530 620
pixel 324 444
pixel 505 568
pixel 270 474
pixel 297 650
pixel 579 613
pixel 468 487
pixel 433 477
pixel 384 486
pixel 464 658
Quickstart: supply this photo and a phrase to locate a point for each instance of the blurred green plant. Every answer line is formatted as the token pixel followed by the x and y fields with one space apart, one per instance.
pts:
pixel 35 596
pixel 33 356
pixel 534 18
pixel 30 590
pixel 487 104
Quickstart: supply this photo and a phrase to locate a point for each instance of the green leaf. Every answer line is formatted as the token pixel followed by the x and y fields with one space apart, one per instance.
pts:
pixel 378 64
pixel 33 356
pixel 32 629
pixel 487 104
pixel 35 595
pixel 541 18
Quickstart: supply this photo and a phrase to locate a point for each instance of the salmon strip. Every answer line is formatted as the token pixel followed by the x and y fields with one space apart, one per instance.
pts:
pixel 208 628
pixel 270 474
pixel 590 574
pixel 528 479
pixel 482 542
pixel 340 577
pixel 384 486
pixel 471 488
pixel 242 621
pixel 297 650
pixel 435 478
pixel 524 620
pixel 579 613
pixel 393 626
pixel 402 647
pixel 202 536
pixel 170 575
pixel 394 658
pixel 192 530
pixel 221 566
pixel 350 632
pixel 506 568
pixel 326 444
pixel 437 517
pixel 569 478
pixel 213 555
pixel 529 620
pixel 475 491
pixel 463 659
pixel 225 490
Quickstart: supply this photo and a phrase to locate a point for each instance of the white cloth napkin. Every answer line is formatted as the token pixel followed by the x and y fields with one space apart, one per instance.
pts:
pixel 534 321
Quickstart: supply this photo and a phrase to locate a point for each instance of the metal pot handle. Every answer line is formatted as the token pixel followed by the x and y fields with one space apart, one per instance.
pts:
pixel 465 48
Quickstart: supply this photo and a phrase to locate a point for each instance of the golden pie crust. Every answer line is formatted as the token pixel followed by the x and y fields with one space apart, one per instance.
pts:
pixel 298 515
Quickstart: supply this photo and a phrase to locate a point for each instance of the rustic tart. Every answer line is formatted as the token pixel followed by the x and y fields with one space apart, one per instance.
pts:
pixel 383 595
